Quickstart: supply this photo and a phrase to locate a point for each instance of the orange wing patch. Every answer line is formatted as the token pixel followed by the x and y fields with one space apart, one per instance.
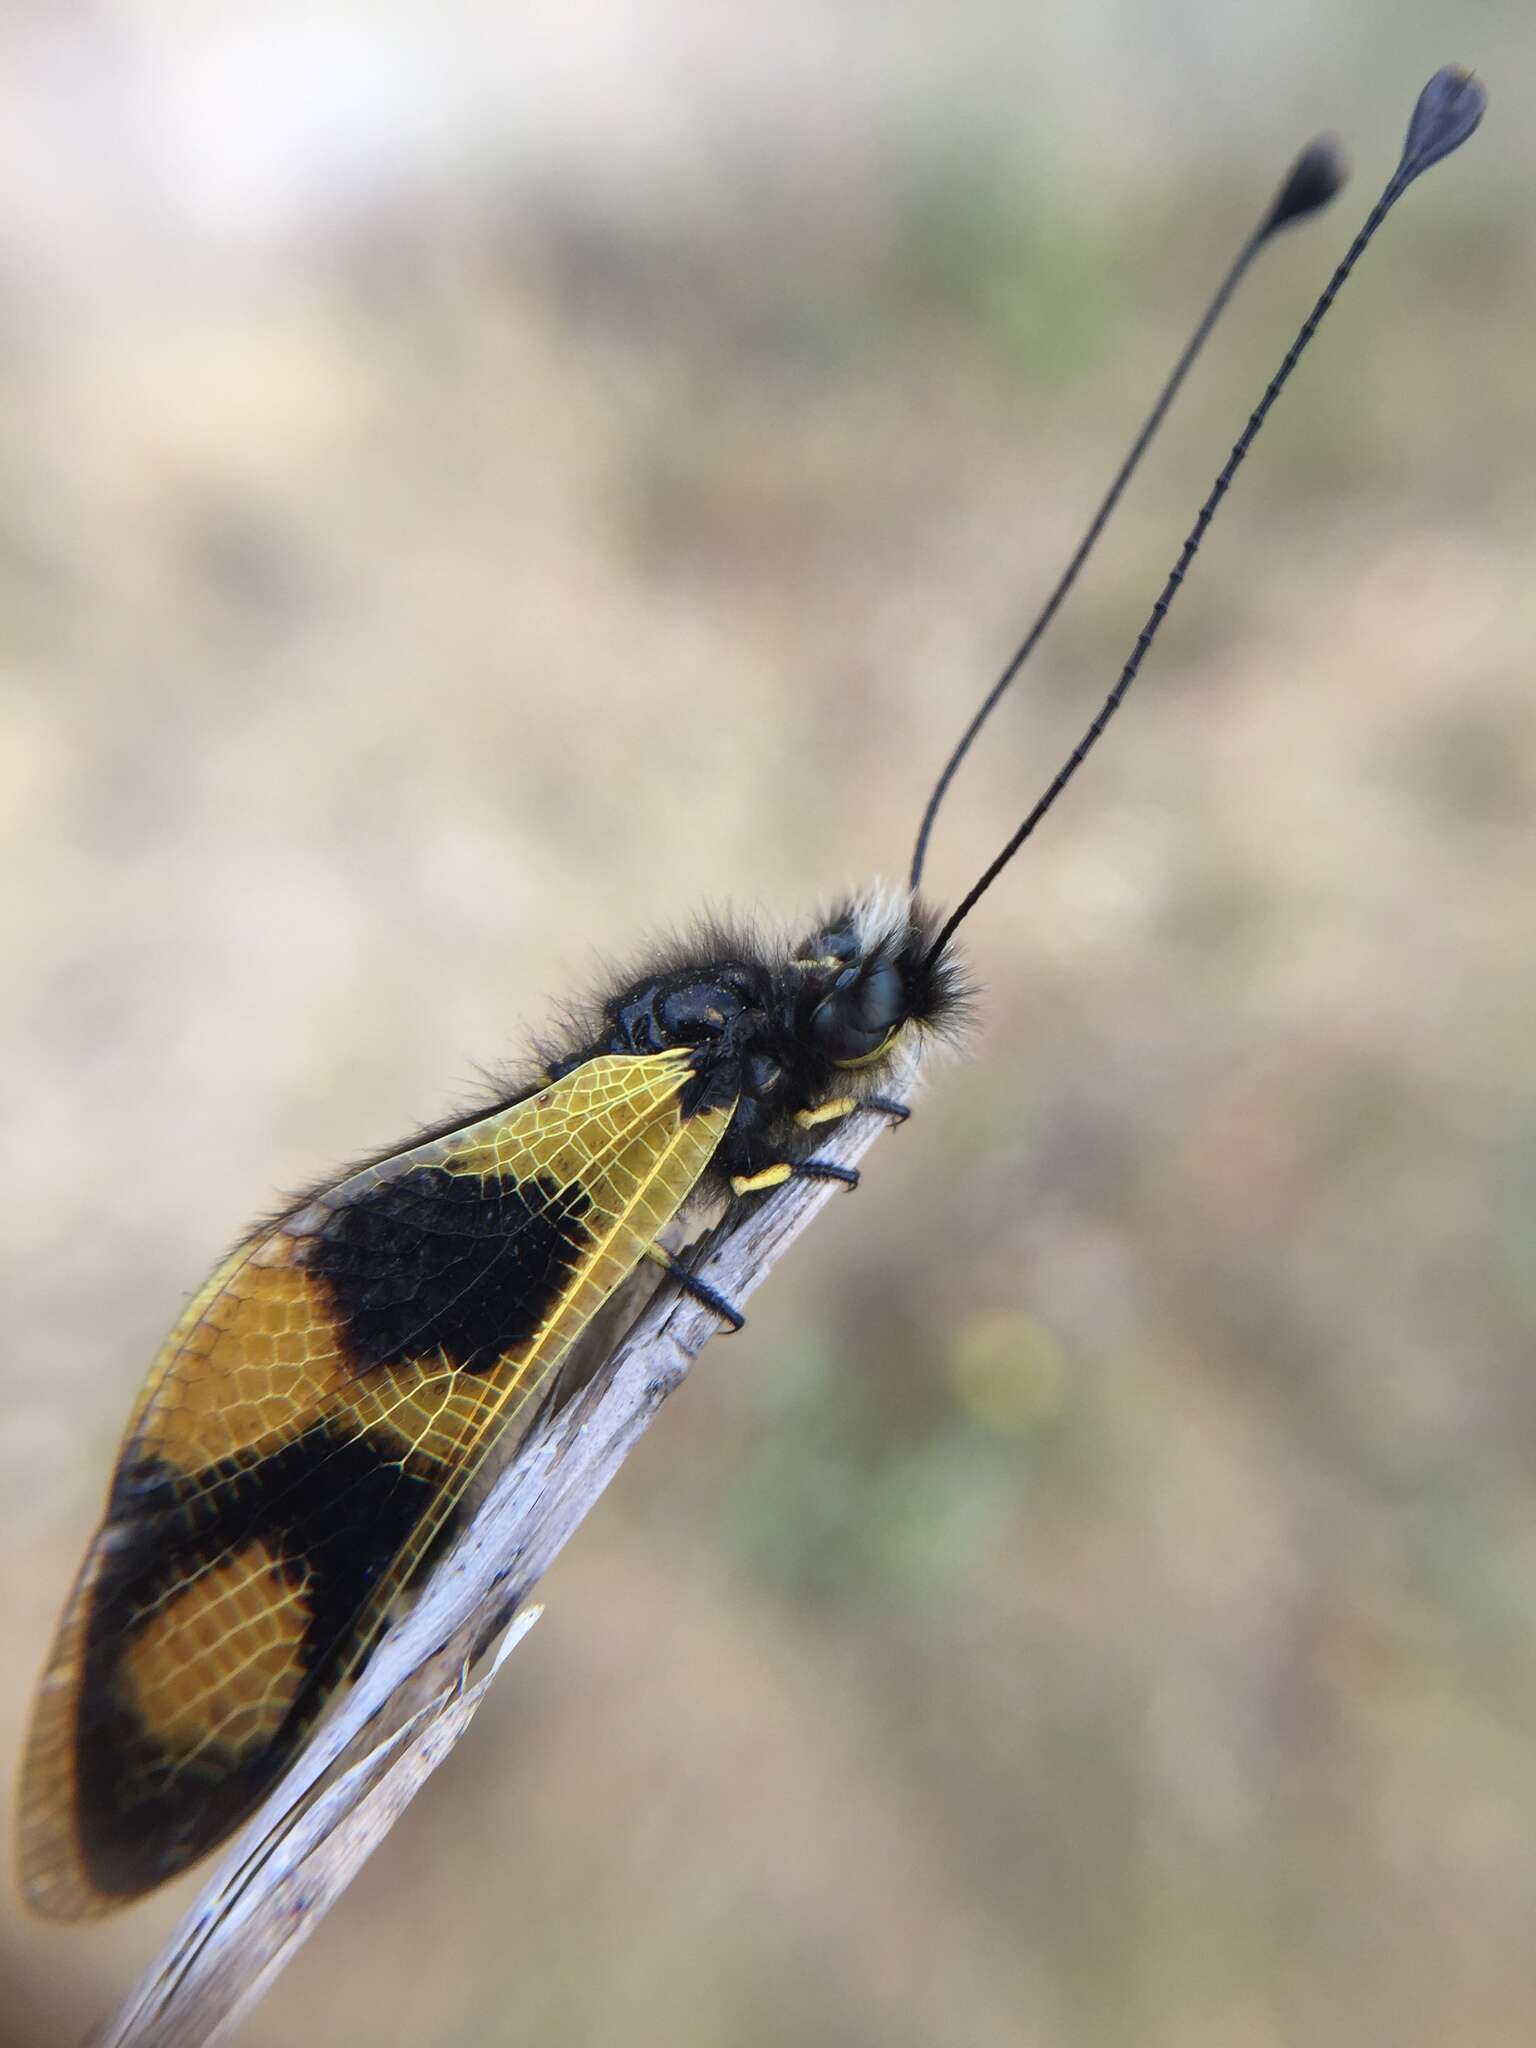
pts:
pixel 219 1665
pixel 301 1442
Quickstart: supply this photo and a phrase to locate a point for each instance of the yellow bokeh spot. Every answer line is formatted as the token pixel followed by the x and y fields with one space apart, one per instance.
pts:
pixel 1009 1372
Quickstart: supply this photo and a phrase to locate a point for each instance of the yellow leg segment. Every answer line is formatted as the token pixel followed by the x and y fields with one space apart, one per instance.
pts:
pixel 826 1112
pixel 754 1183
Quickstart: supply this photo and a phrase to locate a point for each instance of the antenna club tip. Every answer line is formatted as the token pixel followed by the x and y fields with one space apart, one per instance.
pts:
pixel 1447 111
pixel 1310 183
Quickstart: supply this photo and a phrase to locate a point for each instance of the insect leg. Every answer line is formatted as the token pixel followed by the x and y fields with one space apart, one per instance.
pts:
pixel 699 1289
pixel 826 1112
pixel 825 1169
pixel 898 1112
pixel 782 1170
pixel 758 1183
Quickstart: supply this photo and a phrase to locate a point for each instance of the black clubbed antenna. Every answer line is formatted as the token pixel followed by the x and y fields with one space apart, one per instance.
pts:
pixel 1309 184
pixel 1448 110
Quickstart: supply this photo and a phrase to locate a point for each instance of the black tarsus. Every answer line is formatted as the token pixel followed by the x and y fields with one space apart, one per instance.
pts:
pixel 1311 182
pixel 1447 111
pixel 898 1112
pixel 701 1290
pixel 824 1169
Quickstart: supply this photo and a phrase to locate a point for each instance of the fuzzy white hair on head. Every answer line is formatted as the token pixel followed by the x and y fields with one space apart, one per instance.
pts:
pixel 881 916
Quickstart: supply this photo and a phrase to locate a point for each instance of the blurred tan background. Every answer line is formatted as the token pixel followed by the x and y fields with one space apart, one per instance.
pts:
pixel 479 482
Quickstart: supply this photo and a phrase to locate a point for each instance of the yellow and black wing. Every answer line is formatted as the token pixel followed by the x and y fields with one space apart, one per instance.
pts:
pixel 302 1439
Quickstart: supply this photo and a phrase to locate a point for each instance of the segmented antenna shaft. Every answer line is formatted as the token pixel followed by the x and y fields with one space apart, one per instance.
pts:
pixel 1447 112
pixel 1310 183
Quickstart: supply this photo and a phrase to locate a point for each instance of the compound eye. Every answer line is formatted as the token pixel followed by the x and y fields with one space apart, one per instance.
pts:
pixel 837 944
pixel 858 1020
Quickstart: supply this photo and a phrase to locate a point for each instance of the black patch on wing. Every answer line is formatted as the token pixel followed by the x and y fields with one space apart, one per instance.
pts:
pixel 438 1262
pixel 335 1510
